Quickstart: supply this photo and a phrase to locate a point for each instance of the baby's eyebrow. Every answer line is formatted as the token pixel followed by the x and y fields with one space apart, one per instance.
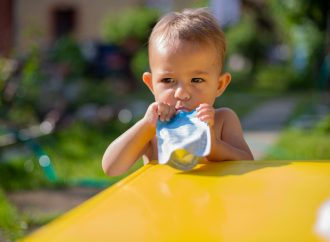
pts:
pixel 200 72
pixel 164 73
pixel 193 73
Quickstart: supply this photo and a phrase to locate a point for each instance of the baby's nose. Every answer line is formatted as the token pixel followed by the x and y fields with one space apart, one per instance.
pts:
pixel 182 93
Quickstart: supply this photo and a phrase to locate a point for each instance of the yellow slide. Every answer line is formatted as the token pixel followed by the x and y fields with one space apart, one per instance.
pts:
pixel 225 201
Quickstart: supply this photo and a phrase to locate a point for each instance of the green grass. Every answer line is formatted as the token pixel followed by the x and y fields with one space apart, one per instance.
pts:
pixel 35 220
pixel 14 225
pixel 11 224
pixel 77 152
pixel 304 144
pixel 297 144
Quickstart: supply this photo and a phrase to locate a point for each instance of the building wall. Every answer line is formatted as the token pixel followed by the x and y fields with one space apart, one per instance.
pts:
pixel 6 27
pixel 34 24
pixel 34 18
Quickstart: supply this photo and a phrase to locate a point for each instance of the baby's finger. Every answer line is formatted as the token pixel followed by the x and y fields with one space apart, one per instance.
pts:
pixel 151 114
pixel 205 113
pixel 163 111
pixel 209 119
pixel 203 105
pixel 171 113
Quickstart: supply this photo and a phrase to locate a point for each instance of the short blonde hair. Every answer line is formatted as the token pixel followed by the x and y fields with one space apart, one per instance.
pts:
pixel 192 25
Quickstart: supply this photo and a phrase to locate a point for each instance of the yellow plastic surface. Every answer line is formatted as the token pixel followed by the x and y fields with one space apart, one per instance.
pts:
pixel 226 201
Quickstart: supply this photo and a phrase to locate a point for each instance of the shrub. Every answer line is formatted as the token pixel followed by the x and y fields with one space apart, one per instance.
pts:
pixel 67 52
pixel 131 23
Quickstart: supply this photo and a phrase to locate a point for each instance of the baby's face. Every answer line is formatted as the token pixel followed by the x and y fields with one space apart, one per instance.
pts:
pixel 186 76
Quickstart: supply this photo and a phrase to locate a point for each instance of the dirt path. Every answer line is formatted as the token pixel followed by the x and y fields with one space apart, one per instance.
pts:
pixel 46 205
pixel 51 201
pixel 264 124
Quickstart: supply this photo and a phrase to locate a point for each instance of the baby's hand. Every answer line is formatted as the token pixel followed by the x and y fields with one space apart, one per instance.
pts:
pixel 205 113
pixel 159 110
pixel 165 112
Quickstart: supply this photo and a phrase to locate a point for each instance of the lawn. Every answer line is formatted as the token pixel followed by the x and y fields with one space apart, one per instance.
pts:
pixel 305 140
pixel 11 225
pixel 301 144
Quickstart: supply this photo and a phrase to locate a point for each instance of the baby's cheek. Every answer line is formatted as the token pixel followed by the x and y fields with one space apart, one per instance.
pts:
pixel 165 96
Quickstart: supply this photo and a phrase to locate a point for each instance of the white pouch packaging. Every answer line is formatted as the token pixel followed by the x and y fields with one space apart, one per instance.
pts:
pixel 183 141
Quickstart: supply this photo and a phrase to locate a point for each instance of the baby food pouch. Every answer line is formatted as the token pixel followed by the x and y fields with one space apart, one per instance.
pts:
pixel 183 141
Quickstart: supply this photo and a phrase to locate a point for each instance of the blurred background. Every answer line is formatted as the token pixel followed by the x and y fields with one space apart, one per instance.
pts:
pixel 70 82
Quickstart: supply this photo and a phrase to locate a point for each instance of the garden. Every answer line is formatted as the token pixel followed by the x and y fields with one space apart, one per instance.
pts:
pixel 60 108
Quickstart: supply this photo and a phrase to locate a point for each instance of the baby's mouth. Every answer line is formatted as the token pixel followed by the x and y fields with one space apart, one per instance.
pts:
pixel 181 108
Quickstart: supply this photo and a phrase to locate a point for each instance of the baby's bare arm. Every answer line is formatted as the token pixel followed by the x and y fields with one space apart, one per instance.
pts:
pixel 122 153
pixel 136 141
pixel 227 138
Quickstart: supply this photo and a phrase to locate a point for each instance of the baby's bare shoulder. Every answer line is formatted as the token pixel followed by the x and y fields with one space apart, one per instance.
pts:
pixel 225 114
pixel 229 122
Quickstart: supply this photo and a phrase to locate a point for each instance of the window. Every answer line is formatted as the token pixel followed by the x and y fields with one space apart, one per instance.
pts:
pixel 64 21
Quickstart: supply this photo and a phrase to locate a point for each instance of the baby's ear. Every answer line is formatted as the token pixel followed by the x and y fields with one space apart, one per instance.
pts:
pixel 224 81
pixel 147 79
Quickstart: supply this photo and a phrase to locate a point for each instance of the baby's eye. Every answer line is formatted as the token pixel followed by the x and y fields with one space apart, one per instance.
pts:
pixel 197 80
pixel 167 80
